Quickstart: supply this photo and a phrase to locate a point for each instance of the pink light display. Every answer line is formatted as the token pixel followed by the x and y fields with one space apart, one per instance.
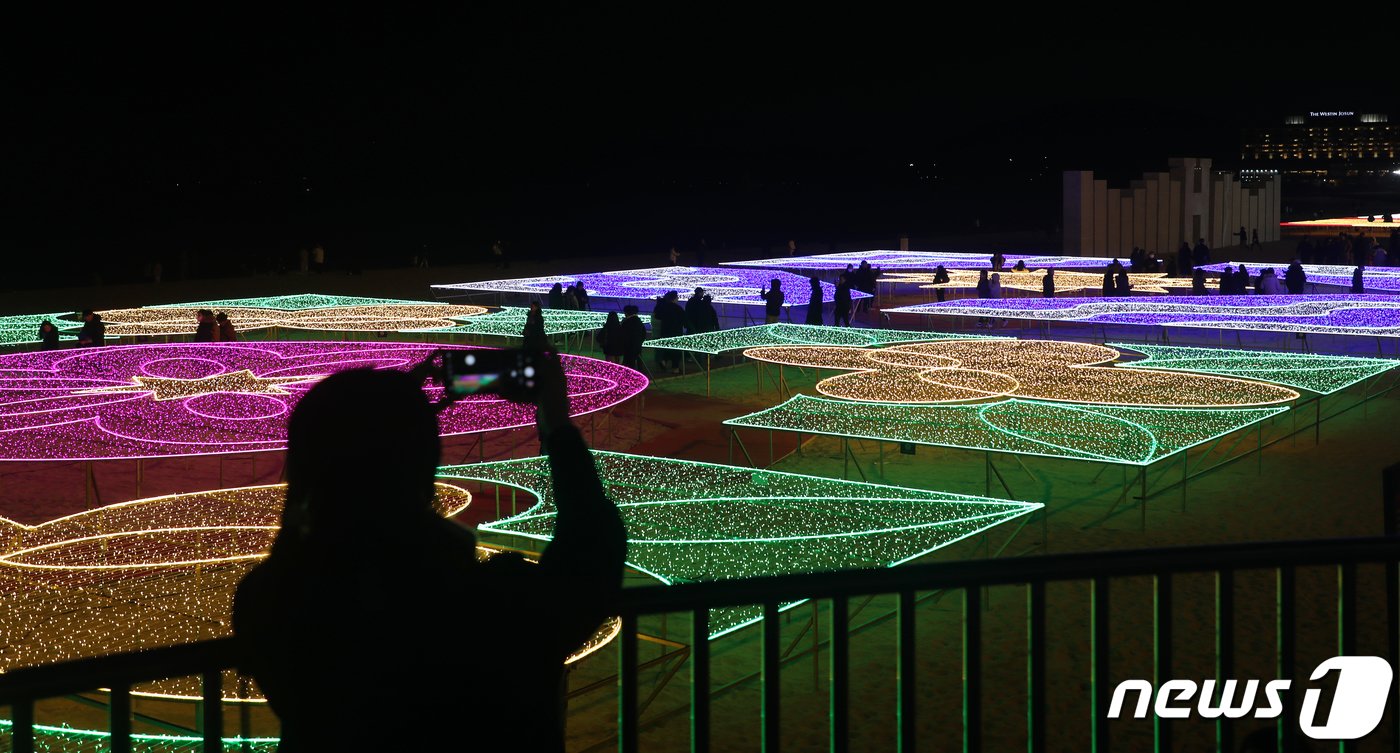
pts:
pixel 207 398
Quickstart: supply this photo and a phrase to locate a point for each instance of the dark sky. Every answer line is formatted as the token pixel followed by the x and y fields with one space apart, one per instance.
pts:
pixel 401 129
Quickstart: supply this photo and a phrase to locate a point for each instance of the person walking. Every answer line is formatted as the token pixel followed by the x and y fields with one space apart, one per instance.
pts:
pixel 772 301
pixel 814 304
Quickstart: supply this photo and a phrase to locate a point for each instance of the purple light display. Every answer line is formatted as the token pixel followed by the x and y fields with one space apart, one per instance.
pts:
pixel 908 261
pixel 1341 314
pixel 740 286
pixel 207 398
pixel 1373 278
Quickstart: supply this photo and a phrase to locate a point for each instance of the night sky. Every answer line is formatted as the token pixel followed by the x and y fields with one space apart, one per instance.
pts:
pixel 238 139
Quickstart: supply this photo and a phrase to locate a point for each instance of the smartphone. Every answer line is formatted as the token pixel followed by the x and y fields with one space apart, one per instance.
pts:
pixel 472 372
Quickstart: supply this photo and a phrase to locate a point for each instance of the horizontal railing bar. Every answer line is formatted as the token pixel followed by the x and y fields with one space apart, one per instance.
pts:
pixel 86 675
pixel 1018 571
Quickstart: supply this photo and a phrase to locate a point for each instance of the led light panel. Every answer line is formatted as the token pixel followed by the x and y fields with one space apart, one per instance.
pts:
pixel 740 286
pixel 207 398
pixel 691 521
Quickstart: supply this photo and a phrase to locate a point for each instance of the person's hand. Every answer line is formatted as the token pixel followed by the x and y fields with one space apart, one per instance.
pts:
pixel 551 393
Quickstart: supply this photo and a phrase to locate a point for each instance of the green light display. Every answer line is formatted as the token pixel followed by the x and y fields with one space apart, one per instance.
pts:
pixel 22 329
pixel 799 334
pixel 510 320
pixel 49 739
pixel 296 302
pixel 690 521
pixel 1321 374
pixel 1116 434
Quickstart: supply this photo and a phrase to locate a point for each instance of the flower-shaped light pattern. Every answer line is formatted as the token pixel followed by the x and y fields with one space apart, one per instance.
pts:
pixel 510 321
pixel 689 521
pixel 956 371
pixel 1034 280
pixel 917 261
pixel 294 302
pixel 1116 434
pixel 1321 374
pixel 204 398
pixel 1373 278
pixel 1339 314
pixel 386 317
pixel 739 286
pixel 152 572
pixel 797 334
pixel 24 328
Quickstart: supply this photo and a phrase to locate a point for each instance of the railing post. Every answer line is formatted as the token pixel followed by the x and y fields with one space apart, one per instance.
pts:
pixel 972 669
pixel 772 678
pixel 119 718
pixel 22 715
pixel 700 681
pixel 1224 649
pixel 1035 666
pixel 1162 651
pixel 1098 674
pixel 213 711
pixel 840 675
pixel 907 674
pixel 627 685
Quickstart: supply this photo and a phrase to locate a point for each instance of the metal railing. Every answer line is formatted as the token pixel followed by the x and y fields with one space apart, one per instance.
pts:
pixel 22 688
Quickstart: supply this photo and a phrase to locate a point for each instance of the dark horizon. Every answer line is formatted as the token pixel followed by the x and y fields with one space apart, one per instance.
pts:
pixel 381 137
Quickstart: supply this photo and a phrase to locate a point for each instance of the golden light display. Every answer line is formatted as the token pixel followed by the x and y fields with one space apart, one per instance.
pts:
pixel 1033 280
pixel 148 573
pixel 243 382
pixel 395 317
pixel 966 370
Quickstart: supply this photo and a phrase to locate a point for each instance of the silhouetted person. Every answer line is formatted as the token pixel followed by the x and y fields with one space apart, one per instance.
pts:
pixel 1047 284
pixel 772 301
pixel 1244 237
pixel 556 296
pixel 668 320
pixel 700 314
pixel 1254 244
pixel 1108 283
pixel 1020 266
pixel 1294 279
pixel 998 261
pixel 634 333
pixel 48 335
pixel 93 333
pixel 581 295
pixel 498 251
pixel 368 587
pixel 1183 260
pixel 610 338
pixel 224 329
pixel 1227 281
pixel 1200 255
pixel 814 304
pixel 1242 281
pixel 1358 283
pixel 1121 286
pixel 984 290
pixel 1198 282
pixel 865 280
pixel 534 335
pixel 841 317
pixel 205 327
pixel 940 276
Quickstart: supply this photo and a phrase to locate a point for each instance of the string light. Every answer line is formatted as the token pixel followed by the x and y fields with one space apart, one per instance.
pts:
pixel 1117 434
pixel 1373 278
pixel 953 371
pixel 23 329
pixel 378 317
pixel 760 335
pixel 295 302
pixel 50 739
pixel 152 572
pixel 1321 374
pixel 510 321
pixel 1339 314
pixel 692 521
pixel 740 286
pixel 1033 280
pixel 917 260
pixel 207 398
